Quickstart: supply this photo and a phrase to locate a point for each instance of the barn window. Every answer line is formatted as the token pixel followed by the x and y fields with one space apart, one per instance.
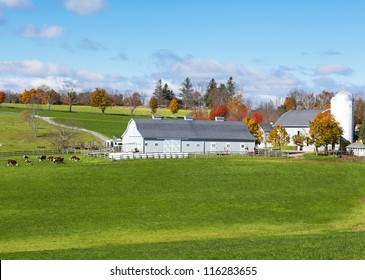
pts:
pixel 146 144
pixel 242 146
pixel 198 145
pixel 156 144
pixel 187 145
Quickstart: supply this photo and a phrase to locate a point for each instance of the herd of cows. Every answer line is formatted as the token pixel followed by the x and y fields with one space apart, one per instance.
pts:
pixel 56 160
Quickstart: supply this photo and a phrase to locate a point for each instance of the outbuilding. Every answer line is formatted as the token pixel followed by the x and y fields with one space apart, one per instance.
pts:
pixel 356 149
pixel 188 136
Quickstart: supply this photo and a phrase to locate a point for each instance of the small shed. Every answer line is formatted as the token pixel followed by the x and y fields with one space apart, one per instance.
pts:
pixel 356 149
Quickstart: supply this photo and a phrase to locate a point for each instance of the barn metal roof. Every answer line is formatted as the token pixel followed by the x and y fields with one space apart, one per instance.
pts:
pixel 298 118
pixel 193 130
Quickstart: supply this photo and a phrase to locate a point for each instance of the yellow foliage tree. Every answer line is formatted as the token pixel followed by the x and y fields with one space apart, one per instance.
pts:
pixel 278 136
pixel 100 98
pixel 30 96
pixel 254 128
pixel 174 106
pixel 324 130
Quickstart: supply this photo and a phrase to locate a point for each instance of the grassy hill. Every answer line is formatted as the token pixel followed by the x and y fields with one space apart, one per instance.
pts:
pixel 196 208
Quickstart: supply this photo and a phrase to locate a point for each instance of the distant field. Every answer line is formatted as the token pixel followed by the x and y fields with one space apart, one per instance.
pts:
pixel 196 208
pixel 121 110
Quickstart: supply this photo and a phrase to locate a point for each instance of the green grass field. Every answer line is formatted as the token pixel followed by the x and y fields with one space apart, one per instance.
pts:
pixel 197 208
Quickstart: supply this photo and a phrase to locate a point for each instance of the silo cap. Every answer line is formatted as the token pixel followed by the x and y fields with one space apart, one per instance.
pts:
pixel 343 96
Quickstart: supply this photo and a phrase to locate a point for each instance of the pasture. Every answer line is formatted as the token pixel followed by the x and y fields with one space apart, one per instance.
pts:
pixel 195 208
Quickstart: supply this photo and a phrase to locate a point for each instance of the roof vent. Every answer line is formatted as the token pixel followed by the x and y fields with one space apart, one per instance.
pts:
pixel 156 117
pixel 219 119
pixel 188 118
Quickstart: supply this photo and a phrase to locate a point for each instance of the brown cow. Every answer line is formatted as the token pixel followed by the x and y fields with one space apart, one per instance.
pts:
pixel 58 160
pixel 50 158
pixel 28 162
pixel 12 162
pixel 41 158
pixel 75 158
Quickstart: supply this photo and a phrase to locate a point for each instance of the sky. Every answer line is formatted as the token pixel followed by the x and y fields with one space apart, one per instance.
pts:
pixel 268 47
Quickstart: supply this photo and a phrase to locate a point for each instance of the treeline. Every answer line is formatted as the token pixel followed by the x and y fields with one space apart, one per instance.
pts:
pixel 205 100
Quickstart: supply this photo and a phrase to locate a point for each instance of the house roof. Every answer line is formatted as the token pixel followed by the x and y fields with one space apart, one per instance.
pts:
pixel 298 117
pixel 266 127
pixel 193 130
pixel 356 145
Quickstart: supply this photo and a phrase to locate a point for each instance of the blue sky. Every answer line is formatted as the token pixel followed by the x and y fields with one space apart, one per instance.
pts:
pixel 268 47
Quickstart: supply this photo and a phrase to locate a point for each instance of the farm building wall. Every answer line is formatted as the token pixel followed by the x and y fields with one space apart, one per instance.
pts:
pixel 132 138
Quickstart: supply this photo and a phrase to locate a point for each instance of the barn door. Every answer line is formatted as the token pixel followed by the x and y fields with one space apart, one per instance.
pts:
pixel 172 146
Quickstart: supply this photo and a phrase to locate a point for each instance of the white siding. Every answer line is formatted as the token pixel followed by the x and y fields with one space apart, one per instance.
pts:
pixel 132 138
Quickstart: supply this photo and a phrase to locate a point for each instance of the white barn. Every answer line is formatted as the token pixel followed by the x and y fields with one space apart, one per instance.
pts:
pixel 187 136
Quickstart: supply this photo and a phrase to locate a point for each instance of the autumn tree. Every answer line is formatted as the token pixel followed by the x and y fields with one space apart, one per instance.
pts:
pixel 30 96
pixel 359 109
pixel 158 92
pixel 220 111
pixel 47 95
pixel 153 104
pixel 278 136
pixel 324 130
pixel 174 106
pixel 211 89
pixel 133 101
pixel 2 97
pixel 362 132
pixel 323 100
pixel 290 103
pixel 254 128
pixel 100 98
pixel 199 114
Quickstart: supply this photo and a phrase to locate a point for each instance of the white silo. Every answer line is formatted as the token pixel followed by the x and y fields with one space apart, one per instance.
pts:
pixel 342 108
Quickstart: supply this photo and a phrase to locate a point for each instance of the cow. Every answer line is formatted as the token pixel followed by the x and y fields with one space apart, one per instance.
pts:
pixel 25 157
pixel 12 162
pixel 58 160
pixel 41 158
pixel 75 158
pixel 50 158
pixel 28 162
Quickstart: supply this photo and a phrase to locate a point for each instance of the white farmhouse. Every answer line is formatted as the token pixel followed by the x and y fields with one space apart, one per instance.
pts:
pixel 187 136
pixel 342 108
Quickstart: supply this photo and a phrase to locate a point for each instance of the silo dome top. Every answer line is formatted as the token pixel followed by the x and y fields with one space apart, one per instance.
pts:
pixel 343 96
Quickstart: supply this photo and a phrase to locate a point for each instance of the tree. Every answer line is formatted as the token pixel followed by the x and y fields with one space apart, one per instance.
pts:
pixel 153 104
pixel 32 118
pixel 220 111
pixel 323 100
pixel 100 98
pixel 63 136
pixel 133 101
pixel 324 130
pixel 278 136
pixel 231 87
pixel 254 128
pixel 47 95
pixel 290 104
pixel 362 131
pixel 2 96
pixel 211 88
pixel 158 92
pixel 69 87
pixel 174 106
pixel 186 93
pixel 167 95
pixel 30 96
pixel 359 109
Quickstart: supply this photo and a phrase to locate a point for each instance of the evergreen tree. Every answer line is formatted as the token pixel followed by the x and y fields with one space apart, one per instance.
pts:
pixel 158 93
pixel 167 95
pixel 187 93
pixel 211 88
pixel 231 87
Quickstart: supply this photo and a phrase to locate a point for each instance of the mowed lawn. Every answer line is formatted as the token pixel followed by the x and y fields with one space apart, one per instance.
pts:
pixel 196 208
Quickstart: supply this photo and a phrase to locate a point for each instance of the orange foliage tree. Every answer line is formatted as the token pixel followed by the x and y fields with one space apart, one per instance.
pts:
pixel 100 98
pixel 220 111
pixel 324 130
pixel 30 96
pixel 2 96
pixel 174 106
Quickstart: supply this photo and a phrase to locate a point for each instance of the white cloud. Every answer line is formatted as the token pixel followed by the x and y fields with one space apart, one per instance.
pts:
pixel 33 68
pixel 45 32
pixel 16 3
pixel 85 7
pixel 329 69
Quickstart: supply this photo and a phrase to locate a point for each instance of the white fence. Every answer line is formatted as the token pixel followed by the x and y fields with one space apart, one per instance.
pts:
pixel 124 156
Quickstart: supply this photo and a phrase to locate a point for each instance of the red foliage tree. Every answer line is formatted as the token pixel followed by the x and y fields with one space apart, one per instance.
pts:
pixel 2 96
pixel 258 117
pixel 220 111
